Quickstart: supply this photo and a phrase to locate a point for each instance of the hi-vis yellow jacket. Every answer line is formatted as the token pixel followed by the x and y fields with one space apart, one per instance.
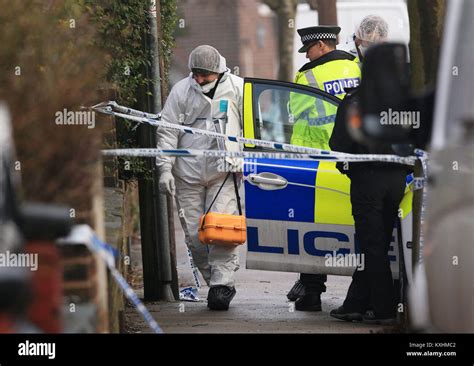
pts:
pixel 314 118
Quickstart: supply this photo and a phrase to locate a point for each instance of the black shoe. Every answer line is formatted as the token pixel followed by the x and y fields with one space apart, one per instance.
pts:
pixel 219 297
pixel 309 302
pixel 342 314
pixel 298 290
pixel 370 318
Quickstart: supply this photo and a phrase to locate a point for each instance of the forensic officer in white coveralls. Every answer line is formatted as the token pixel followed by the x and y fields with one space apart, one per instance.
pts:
pixel 210 98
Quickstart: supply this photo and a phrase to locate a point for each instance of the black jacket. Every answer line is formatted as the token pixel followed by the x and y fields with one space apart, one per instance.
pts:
pixel 342 141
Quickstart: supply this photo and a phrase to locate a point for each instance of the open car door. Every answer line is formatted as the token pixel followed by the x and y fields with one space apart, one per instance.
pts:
pixel 298 211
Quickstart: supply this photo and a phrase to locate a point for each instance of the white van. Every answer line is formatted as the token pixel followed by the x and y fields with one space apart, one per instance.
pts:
pixel 349 15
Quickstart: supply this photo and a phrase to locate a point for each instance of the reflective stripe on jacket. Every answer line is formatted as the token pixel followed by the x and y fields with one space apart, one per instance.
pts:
pixel 313 117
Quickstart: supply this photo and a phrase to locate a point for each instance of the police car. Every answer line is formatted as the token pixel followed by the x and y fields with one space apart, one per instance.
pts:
pixel 298 211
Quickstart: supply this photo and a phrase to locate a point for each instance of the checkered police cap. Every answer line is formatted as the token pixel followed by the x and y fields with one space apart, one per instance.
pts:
pixel 312 34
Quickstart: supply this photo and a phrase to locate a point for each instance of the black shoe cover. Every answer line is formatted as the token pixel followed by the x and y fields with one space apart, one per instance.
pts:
pixel 297 291
pixel 342 314
pixel 370 318
pixel 219 297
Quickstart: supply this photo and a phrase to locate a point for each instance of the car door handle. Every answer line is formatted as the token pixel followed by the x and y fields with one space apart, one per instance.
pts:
pixel 267 181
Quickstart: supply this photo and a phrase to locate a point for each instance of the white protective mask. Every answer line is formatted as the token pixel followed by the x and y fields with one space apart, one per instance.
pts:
pixel 363 49
pixel 208 87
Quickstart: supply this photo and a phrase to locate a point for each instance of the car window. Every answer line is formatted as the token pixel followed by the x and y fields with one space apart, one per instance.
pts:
pixel 277 106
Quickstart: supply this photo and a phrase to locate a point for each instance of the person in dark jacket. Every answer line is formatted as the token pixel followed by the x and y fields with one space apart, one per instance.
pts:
pixel 328 69
pixel 376 191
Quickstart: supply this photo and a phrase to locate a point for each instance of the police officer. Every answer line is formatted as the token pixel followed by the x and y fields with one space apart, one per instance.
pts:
pixel 371 30
pixel 332 71
pixel 376 192
pixel 209 93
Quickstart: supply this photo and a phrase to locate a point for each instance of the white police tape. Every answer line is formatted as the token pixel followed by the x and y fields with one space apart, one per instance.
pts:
pixel 191 293
pixel 418 183
pixel 108 254
pixel 144 152
pixel 112 107
pixel 194 269
pixel 237 139
pixel 423 158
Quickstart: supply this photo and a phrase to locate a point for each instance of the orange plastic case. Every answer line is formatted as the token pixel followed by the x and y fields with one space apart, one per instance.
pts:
pixel 222 229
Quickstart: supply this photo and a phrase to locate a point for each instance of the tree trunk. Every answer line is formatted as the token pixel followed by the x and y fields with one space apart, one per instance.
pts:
pixel 286 14
pixel 327 12
pixel 426 24
pixel 286 29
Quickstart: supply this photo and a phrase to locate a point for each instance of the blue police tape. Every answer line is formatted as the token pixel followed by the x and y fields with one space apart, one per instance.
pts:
pixel 423 158
pixel 145 152
pixel 112 107
pixel 418 183
pixel 108 253
pixel 189 294
pixel 194 269
pixel 196 131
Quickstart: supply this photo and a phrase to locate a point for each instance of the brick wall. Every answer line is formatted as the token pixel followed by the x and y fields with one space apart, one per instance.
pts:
pixel 234 28
pixel 83 309
pixel 258 41
pixel 206 22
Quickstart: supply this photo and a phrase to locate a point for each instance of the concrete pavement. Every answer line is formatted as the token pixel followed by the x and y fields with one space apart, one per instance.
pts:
pixel 260 305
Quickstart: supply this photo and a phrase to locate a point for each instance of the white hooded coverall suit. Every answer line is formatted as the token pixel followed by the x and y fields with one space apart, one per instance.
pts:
pixel 198 178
